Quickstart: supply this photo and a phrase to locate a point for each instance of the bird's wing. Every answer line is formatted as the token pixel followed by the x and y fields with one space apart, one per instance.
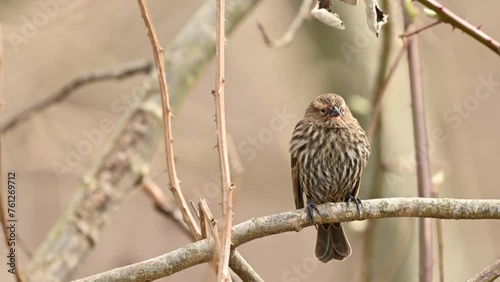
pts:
pixel 297 189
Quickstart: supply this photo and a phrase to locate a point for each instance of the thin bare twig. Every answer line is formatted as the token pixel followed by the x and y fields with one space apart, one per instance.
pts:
pixel 420 29
pixel 294 27
pixel 421 152
pixel 488 274
pixel 161 204
pixel 211 228
pixel 226 186
pixel 121 72
pixel 174 184
pixel 203 222
pixel 3 215
pixel 174 181
pixel 212 224
pixel 293 221
pixel 160 201
pixel 448 16
pixel 439 234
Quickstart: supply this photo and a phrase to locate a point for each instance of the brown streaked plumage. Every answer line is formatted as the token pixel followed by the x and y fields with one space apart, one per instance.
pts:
pixel 329 150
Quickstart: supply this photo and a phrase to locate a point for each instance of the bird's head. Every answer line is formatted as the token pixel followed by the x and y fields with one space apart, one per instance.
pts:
pixel 329 109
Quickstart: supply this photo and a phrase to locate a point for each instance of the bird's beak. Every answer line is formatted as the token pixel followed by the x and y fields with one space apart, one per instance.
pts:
pixel 335 112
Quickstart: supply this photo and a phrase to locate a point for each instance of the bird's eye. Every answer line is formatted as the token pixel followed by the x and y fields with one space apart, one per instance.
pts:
pixel 323 111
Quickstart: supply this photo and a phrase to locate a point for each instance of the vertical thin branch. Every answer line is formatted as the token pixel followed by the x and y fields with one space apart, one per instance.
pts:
pixel 439 234
pixel 421 152
pixel 3 216
pixel 167 122
pixel 226 185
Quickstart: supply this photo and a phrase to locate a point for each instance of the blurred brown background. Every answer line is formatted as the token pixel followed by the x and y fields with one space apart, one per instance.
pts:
pixel 262 85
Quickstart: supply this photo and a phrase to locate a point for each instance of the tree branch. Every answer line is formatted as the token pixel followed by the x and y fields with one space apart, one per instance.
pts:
pixel 448 16
pixel 174 183
pixel 488 274
pixel 119 172
pixel 421 151
pixel 220 114
pixel 201 251
pixel 120 72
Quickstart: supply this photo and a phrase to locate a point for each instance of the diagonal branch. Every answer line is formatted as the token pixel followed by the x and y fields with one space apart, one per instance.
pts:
pixel 448 16
pixel 488 274
pixel 121 72
pixel 293 221
pixel 161 204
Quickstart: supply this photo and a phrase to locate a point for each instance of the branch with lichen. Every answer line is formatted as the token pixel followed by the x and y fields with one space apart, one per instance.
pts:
pixel 201 251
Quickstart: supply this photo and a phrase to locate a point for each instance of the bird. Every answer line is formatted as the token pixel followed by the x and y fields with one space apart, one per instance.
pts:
pixel 329 150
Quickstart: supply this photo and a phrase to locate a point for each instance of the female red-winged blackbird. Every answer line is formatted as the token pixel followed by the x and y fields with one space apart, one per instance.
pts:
pixel 329 150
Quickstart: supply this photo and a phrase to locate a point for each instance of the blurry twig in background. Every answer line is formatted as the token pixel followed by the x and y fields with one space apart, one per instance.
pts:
pixel 161 204
pixel 227 186
pixel 120 72
pixel 421 150
pixel 117 173
pixel 3 210
pixel 420 29
pixel 293 221
pixel 174 184
pixel 294 27
pixel 488 274
pixel 449 17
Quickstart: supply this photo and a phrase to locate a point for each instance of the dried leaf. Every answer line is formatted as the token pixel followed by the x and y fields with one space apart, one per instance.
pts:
pixel 330 19
pixel 375 17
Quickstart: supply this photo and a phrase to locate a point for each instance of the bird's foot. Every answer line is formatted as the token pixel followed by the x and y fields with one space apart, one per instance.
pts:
pixel 310 208
pixel 350 198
